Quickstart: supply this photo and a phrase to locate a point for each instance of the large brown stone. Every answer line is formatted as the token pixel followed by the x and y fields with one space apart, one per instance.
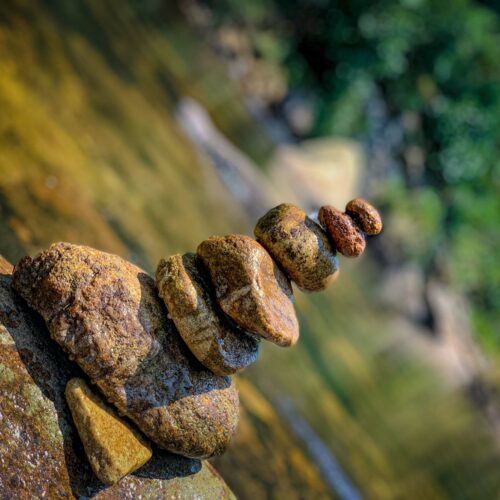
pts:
pixel 188 294
pixel 299 245
pixel 250 287
pixel 40 453
pixel 113 448
pixel 105 313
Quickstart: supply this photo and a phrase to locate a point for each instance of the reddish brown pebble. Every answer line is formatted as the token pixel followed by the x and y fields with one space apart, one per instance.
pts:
pixel 250 287
pixel 185 287
pixel 365 215
pixel 343 232
pixel 299 245
pixel 105 312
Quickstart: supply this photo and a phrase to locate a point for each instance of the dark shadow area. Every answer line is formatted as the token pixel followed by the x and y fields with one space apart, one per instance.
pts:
pixel 165 465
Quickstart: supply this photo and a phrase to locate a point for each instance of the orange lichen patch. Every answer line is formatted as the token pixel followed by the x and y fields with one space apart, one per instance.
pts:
pixel 250 288
pixel 299 245
pixel 114 449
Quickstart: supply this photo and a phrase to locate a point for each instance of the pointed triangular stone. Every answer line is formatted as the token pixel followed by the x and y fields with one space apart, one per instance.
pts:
pixel 113 448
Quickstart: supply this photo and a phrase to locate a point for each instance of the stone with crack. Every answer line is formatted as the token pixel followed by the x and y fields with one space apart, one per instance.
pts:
pixel 105 313
pixel 185 287
pixel 250 288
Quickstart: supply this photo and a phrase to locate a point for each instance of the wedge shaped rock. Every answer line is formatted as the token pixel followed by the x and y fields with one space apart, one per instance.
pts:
pixel 113 448
pixel 185 287
pixel 105 312
pixel 345 235
pixel 299 245
pixel 250 288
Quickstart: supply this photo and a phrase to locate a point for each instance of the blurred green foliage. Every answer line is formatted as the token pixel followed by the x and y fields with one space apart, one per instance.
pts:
pixel 435 66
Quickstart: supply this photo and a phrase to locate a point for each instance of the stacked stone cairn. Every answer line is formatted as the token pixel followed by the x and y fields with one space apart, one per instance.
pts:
pixel 161 353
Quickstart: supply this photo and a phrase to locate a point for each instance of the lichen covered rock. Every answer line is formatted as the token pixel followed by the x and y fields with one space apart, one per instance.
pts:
pixel 299 245
pixel 250 288
pixel 113 448
pixel 106 314
pixel 188 294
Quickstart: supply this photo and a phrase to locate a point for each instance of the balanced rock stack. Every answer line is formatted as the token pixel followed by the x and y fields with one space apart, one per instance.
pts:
pixel 165 364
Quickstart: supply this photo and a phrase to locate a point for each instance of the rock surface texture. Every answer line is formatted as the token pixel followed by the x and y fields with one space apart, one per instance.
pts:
pixel 365 215
pixel 114 449
pixel 347 238
pixel 106 314
pixel 250 288
pixel 299 246
pixel 188 294
pixel 41 455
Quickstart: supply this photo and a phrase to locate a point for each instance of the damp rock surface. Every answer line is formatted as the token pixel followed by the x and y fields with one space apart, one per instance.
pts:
pixel 113 448
pixel 41 455
pixel 299 245
pixel 185 287
pixel 250 288
pixel 105 313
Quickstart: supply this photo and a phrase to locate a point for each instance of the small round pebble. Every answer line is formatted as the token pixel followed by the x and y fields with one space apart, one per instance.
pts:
pixel 185 287
pixel 250 288
pixel 299 245
pixel 365 215
pixel 344 233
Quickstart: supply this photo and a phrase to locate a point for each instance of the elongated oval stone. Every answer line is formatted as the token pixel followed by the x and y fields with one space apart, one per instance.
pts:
pixel 185 287
pixel 250 288
pixel 113 448
pixel 299 245
pixel 106 314
pixel 345 235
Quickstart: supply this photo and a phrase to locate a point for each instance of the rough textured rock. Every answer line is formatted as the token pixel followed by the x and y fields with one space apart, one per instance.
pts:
pixel 299 245
pixel 41 455
pixel 106 314
pixel 342 230
pixel 250 287
pixel 365 215
pixel 113 448
pixel 188 294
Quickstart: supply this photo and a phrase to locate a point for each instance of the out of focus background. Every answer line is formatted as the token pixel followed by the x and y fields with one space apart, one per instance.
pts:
pixel 143 127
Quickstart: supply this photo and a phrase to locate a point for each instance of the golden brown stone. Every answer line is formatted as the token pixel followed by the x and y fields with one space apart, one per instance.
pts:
pixel 299 245
pixel 365 215
pixel 250 287
pixel 105 312
pixel 113 448
pixel 185 287
pixel 343 232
